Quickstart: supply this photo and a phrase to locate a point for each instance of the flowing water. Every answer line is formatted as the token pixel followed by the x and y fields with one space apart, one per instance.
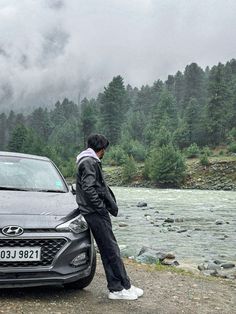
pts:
pixel 204 224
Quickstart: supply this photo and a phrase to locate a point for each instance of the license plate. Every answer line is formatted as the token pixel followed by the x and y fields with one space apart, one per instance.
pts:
pixel 20 254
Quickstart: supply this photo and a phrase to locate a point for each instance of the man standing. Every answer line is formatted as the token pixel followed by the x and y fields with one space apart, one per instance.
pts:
pixel 95 201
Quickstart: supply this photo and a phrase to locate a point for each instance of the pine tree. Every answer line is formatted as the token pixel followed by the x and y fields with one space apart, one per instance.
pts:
pixel 179 90
pixel 17 139
pixel 11 124
pixel 181 134
pixel 88 118
pixel 135 125
pixel 40 121
pixel 144 100
pixel 129 169
pixel 113 107
pixel 170 84
pixel 3 125
pixel 166 166
pixel 218 106
pixel 192 116
pixel 164 112
pixel 194 84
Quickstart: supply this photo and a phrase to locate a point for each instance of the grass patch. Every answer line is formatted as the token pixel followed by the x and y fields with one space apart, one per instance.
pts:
pixel 176 270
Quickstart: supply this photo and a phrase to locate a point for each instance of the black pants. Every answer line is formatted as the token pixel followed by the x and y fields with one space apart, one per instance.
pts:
pixel 101 228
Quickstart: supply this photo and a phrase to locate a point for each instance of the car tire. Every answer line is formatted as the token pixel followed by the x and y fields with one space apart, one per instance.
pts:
pixel 84 282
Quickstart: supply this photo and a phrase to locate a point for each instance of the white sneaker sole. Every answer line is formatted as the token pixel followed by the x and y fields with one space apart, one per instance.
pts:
pixel 128 298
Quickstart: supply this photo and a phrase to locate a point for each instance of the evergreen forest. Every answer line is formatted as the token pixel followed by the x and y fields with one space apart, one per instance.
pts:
pixel 192 111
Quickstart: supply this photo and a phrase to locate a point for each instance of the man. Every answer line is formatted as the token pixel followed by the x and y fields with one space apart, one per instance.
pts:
pixel 95 201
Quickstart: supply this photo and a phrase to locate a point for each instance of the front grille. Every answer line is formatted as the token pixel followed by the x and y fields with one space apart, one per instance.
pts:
pixel 49 249
pixel 39 230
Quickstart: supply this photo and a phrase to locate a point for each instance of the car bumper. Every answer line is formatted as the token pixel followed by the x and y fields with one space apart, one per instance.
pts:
pixel 60 271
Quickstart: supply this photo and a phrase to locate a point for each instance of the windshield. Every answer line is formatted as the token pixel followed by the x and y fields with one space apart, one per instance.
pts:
pixel 19 173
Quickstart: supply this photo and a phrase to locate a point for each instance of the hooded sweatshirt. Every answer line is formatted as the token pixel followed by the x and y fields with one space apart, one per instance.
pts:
pixel 90 185
pixel 89 152
pixel 92 193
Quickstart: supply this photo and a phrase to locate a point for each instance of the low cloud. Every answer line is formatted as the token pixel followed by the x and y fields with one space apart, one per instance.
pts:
pixel 51 49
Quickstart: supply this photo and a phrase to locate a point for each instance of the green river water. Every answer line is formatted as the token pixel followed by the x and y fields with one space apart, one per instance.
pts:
pixel 206 221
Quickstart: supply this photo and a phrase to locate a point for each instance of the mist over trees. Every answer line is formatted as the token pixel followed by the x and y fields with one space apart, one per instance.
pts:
pixel 194 107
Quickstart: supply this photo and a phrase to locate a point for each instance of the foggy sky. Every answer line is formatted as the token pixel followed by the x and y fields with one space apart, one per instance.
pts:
pixel 52 49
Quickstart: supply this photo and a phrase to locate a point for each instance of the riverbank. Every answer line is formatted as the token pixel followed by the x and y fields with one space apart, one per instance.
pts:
pixel 196 226
pixel 165 292
pixel 220 174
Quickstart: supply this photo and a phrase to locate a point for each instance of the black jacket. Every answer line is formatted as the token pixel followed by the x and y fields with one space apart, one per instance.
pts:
pixel 92 192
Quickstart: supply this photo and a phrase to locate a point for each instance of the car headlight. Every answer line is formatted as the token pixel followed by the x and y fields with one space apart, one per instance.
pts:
pixel 76 225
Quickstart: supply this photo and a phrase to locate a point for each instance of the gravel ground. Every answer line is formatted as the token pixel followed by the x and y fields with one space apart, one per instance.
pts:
pixel 164 292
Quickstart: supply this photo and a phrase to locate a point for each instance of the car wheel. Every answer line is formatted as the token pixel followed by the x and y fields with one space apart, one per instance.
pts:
pixel 84 282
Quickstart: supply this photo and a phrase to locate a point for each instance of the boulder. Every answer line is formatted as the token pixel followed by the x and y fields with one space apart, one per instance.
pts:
pixel 152 256
pixel 142 204
pixel 201 267
pixel 182 230
pixel 173 228
pixel 213 266
pixel 179 219
pixel 227 265
pixel 122 224
pixel 218 262
pixel 209 272
pixel 170 255
pixel 169 262
pixel 169 220
pixel 209 266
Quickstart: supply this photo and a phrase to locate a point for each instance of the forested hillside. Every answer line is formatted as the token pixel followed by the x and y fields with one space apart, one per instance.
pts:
pixel 189 112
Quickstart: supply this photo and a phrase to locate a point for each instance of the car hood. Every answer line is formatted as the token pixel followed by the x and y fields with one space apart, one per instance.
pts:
pixel 36 209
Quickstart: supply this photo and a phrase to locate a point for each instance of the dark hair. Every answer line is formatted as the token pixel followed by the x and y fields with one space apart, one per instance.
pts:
pixel 97 142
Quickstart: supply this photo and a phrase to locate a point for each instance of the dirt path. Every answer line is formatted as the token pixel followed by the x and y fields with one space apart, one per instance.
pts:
pixel 165 292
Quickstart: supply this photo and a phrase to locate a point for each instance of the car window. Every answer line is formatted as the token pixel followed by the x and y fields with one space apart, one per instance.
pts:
pixel 30 174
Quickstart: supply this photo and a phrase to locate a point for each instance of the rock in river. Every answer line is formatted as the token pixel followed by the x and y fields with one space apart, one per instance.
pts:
pixel 227 265
pixel 152 256
pixel 142 204
pixel 170 220
pixel 123 224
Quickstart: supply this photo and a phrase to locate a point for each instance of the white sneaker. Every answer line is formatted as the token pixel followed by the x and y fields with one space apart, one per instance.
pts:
pixel 137 291
pixel 122 295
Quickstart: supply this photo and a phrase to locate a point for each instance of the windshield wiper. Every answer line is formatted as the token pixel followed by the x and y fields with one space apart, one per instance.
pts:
pixel 9 188
pixel 51 191
pixel 31 190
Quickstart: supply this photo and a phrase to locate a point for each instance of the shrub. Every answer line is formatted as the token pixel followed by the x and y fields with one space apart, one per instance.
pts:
pixel 163 137
pixel 232 147
pixel 115 156
pixel 231 135
pixel 166 166
pixel 204 161
pixel 206 151
pixel 129 169
pixel 68 168
pixel 134 148
pixel 192 151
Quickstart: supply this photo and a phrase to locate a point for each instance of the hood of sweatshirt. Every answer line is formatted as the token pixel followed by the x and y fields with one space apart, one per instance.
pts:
pixel 89 152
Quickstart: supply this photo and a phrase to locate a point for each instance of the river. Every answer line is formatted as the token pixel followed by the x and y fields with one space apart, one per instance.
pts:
pixel 204 226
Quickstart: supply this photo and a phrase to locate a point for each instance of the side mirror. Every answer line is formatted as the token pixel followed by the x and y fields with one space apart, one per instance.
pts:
pixel 73 188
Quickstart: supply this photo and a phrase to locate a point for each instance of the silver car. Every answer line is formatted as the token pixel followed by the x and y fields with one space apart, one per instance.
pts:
pixel 43 238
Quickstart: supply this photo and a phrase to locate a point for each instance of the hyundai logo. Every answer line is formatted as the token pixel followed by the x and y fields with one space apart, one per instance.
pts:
pixel 12 231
